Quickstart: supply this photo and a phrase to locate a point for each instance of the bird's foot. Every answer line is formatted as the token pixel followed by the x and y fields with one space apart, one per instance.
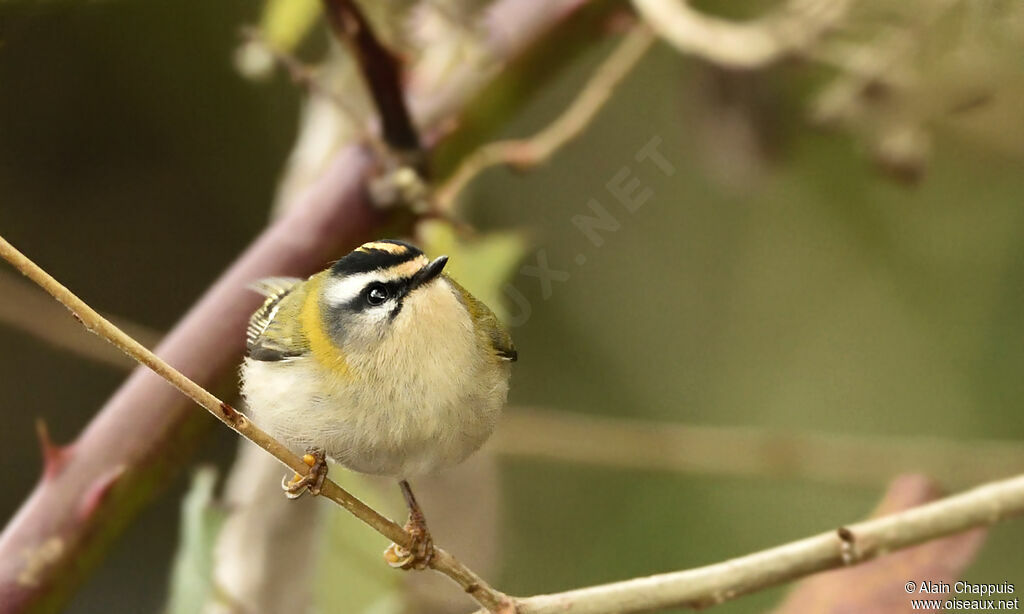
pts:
pixel 420 551
pixel 312 481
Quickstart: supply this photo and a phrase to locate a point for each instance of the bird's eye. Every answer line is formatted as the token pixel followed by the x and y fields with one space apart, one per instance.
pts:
pixel 377 294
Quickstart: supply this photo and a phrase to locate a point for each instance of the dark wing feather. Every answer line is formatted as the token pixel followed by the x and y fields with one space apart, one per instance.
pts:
pixel 257 344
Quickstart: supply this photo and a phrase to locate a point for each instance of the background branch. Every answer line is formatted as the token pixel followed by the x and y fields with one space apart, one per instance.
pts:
pixel 746 451
pixel 743 45
pixel 26 309
pixel 845 546
pixel 538 149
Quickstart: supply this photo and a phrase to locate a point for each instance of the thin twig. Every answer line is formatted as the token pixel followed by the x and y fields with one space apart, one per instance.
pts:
pixel 100 326
pixel 538 149
pixel 380 69
pixel 625 443
pixel 308 77
pixel 789 29
pixel 845 546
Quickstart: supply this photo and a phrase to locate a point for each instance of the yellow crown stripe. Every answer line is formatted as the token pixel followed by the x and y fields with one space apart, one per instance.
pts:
pixel 391 248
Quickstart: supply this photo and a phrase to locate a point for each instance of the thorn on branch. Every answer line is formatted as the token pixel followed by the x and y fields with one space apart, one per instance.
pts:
pixel 97 492
pixel 847 545
pixel 230 414
pixel 55 456
pixel 507 607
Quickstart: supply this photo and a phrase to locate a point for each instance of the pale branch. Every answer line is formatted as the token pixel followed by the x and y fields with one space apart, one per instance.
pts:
pixel 879 584
pixel 538 149
pixel 625 443
pixel 788 30
pixel 100 326
pixel 842 547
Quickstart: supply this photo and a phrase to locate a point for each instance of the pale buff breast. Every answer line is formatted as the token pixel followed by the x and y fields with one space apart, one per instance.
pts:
pixel 423 398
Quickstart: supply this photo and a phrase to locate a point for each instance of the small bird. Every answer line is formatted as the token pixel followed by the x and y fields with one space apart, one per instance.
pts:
pixel 382 363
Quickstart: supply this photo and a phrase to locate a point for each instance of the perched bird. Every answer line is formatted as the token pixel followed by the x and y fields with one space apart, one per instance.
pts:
pixel 381 363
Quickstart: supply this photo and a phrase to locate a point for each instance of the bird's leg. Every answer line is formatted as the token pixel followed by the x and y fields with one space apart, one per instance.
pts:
pixel 421 550
pixel 313 480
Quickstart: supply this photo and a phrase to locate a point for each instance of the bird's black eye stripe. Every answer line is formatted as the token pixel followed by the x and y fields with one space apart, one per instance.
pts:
pixel 377 293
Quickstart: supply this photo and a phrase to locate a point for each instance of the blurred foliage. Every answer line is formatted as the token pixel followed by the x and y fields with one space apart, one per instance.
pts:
pixel 906 69
pixel 350 572
pixel 286 22
pixel 481 264
pixel 192 574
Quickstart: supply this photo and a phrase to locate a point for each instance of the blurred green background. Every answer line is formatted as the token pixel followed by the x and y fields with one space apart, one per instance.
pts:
pixel 778 280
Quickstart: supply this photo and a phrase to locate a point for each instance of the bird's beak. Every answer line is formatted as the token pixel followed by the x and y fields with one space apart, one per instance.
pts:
pixel 427 273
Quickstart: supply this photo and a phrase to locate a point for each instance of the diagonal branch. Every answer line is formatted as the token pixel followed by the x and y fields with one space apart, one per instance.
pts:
pixel 100 326
pixel 843 547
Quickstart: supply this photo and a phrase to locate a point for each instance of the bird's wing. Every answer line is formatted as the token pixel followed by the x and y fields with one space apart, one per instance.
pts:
pixel 487 324
pixel 501 341
pixel 273 332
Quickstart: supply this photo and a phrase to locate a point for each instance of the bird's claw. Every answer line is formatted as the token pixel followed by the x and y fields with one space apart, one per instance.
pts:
pixel 313 481
pixel 418 555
